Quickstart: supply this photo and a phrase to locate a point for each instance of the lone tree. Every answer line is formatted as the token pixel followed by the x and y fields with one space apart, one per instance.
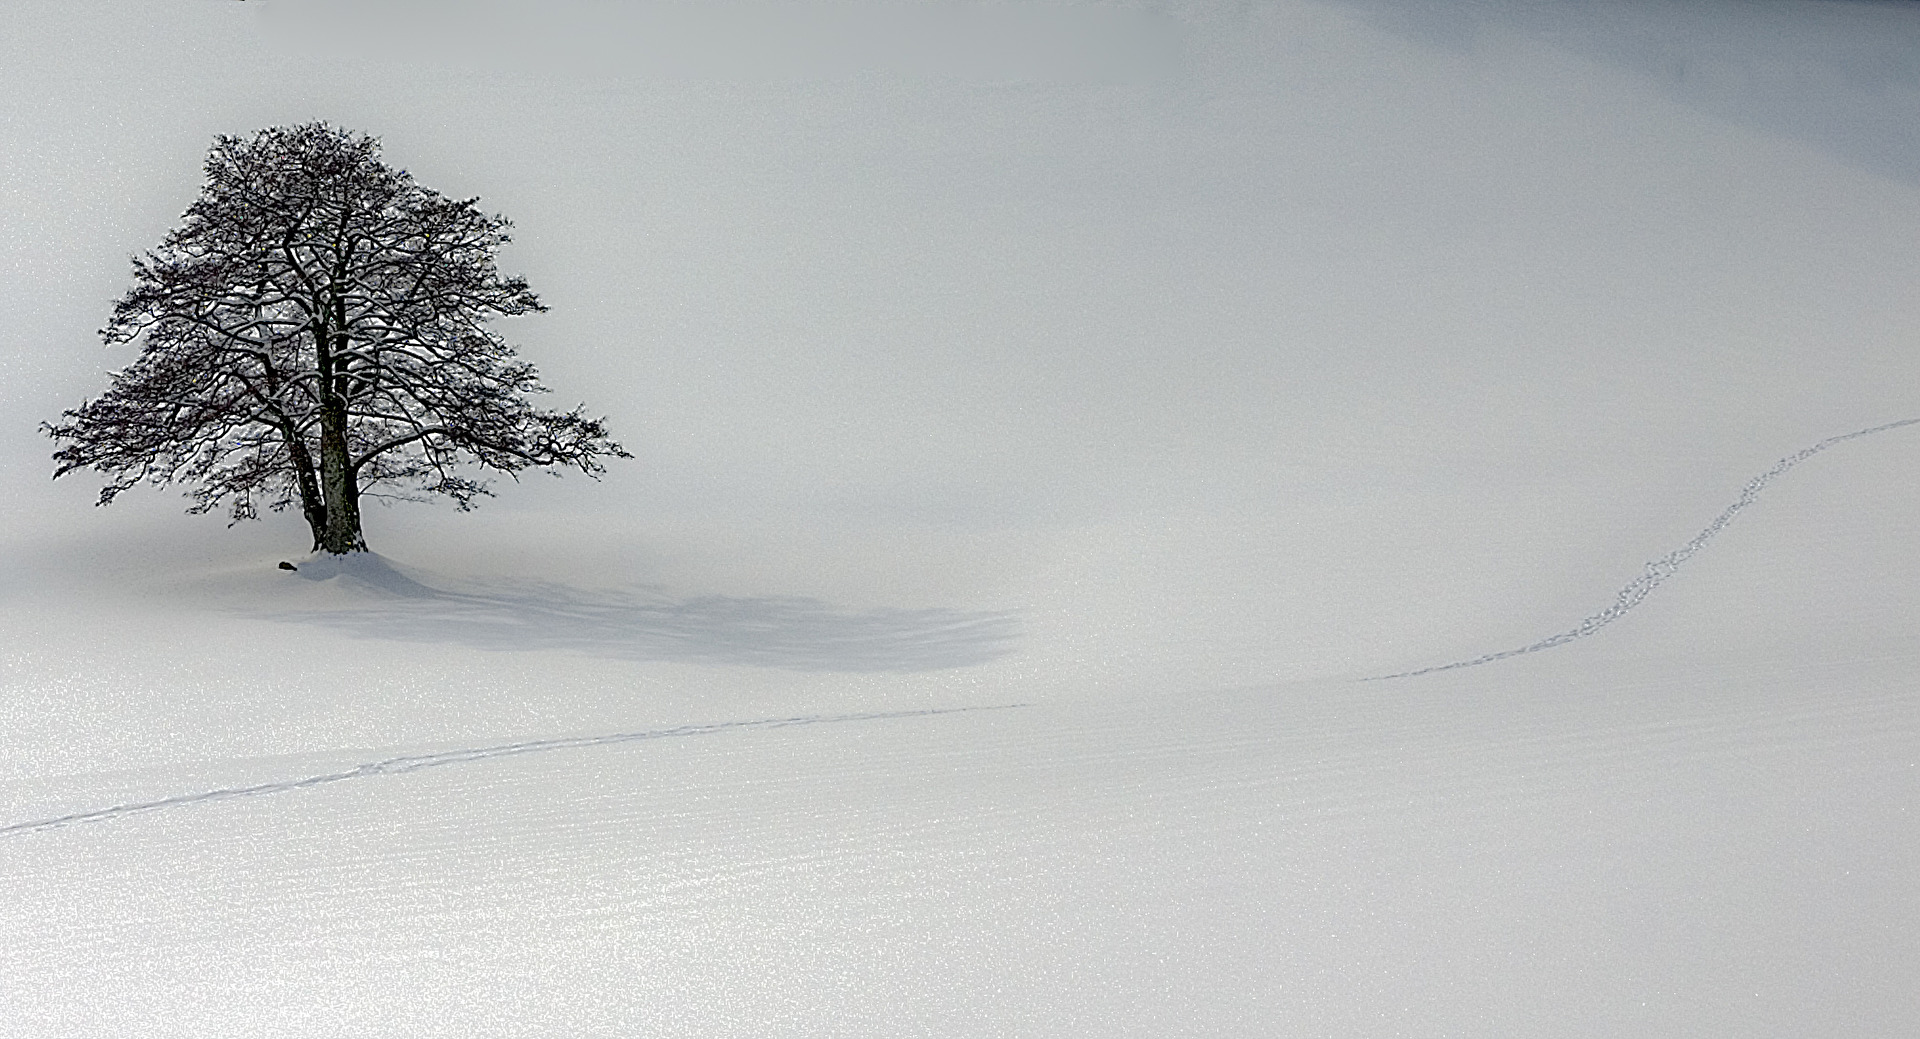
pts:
pixel 316 331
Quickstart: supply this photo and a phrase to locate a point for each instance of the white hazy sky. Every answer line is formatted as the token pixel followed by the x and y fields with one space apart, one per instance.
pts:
pixel 1374 301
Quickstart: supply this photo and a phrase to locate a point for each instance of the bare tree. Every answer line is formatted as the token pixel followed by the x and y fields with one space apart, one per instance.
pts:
pixel 316 331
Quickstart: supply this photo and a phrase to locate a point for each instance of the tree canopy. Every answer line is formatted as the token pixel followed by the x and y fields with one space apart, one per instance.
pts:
pixel 316 330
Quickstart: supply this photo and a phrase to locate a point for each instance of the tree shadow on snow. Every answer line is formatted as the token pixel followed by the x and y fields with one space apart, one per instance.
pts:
pixel 779 632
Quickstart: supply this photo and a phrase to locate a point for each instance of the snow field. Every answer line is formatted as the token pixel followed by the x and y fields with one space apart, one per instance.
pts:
pixel 1558 857
pixel 1166 401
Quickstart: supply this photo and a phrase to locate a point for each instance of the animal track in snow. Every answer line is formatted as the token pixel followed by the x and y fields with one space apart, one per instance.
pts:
pixel 1657 572
pixel 416 762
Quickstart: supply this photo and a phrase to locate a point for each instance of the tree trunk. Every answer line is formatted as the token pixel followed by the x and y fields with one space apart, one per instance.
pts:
pixel 312 505
pixel 342 531
pixel 338 480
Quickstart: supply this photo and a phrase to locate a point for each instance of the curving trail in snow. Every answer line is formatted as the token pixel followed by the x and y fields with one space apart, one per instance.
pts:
pixel 416 762
pixel 1657 572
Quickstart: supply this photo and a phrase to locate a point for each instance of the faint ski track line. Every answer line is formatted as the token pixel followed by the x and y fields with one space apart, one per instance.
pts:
pixel 1660 569
pixel 416 762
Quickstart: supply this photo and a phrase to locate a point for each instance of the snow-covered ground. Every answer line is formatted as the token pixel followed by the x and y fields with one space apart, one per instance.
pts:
pixel 1049 419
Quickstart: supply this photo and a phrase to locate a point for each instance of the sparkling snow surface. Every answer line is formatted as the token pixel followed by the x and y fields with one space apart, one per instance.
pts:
pixel 1049 419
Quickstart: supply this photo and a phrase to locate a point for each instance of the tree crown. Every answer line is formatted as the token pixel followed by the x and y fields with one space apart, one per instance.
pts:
pixel 317 328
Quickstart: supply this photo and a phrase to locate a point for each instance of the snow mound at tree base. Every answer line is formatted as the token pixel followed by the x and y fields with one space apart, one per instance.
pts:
pixel 363 572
